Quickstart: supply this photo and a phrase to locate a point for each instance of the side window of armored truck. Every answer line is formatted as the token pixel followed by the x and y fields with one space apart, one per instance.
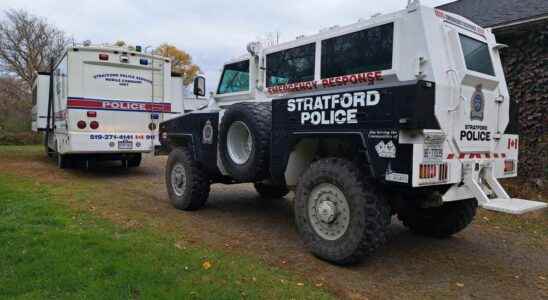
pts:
pixel 235 78
pixel 357 52
pixel 476 55
pixel 291 65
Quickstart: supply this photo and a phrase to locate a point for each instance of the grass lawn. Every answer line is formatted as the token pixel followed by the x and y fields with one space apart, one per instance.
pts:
pixel 50 250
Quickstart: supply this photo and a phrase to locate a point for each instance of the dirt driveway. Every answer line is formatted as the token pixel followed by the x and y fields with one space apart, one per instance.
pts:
pixel 498 256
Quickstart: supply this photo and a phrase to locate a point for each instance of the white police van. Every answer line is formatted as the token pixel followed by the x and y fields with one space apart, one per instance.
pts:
pixel 401 114
pixel 105 103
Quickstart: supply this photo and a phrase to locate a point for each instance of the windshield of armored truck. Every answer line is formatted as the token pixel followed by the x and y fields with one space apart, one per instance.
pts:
pixel 235 78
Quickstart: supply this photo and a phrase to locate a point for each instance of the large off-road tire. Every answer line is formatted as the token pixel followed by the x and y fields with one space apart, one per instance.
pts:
pixel 271 191
pixel 340 216
pixel 187 183
pixel 442 221
pixel 244 142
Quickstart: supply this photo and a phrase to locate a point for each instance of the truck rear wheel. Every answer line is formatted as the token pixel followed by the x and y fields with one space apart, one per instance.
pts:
pixel 134 160
pixel 244 143
pixel 63 160
pixel 340 216
pixel 440 222
pixel 49 152
pixel 268 190
pixel 187 183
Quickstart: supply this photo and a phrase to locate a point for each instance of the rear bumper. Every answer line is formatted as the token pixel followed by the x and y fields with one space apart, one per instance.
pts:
pixel 448 166
pixel 106 142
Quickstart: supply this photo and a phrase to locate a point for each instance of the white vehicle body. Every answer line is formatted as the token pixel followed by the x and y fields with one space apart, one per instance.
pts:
pixel 126 93
pixel 465 142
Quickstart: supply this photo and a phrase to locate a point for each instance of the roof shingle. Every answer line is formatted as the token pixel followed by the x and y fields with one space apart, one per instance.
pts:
pixel 489 13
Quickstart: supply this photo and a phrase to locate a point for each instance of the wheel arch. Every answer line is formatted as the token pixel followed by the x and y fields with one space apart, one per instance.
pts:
pixel 176 140
pixel 306 148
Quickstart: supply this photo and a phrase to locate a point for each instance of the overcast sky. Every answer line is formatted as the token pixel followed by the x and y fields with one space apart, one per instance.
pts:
pixel 211 31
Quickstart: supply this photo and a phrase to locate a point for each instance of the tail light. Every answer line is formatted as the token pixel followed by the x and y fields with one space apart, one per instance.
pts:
pixel 81 124
pixel 94 125
pixel 103 56
pixel 443 172
pixel 434 172
pixel 427 171
pixel 509 166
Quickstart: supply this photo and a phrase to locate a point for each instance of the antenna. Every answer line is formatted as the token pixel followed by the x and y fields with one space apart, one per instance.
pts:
pixel 413 3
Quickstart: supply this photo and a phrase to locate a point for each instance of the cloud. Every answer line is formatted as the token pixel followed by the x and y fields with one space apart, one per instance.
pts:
pixel 211 31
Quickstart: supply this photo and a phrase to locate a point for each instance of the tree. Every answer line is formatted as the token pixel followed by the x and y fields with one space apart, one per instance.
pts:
pixel 28 44
pixel 119 43
pixel 14 103
pixel 181 62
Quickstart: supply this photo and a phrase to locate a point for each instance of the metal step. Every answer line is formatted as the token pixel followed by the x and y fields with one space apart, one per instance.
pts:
pixel 502 202
pixel 513 205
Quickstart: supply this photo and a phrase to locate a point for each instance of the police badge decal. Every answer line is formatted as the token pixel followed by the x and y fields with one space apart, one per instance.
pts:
pixel 207 133
pixel 477 105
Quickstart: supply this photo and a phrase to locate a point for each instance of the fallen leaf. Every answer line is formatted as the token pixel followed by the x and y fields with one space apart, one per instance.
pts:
pixel 461 285
pixel 206 265
pixel 300 284
pixel 254 278
pixel 319 284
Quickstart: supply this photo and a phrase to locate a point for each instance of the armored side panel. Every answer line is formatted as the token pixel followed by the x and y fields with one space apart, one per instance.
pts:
pixel 372 115
pixel 197 130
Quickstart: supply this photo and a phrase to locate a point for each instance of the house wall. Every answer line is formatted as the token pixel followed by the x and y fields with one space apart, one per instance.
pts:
pixel 525 64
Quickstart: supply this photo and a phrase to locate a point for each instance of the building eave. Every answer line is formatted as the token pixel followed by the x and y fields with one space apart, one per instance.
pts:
pixel 519 22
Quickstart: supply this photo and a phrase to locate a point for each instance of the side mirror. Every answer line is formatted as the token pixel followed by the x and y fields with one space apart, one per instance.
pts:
pixel 199 86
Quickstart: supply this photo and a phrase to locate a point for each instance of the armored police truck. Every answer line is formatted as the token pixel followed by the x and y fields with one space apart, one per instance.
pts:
pixel 401 114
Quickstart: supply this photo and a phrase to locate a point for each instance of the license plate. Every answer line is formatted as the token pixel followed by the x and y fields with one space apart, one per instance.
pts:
pixel 433 153
pixel 125 145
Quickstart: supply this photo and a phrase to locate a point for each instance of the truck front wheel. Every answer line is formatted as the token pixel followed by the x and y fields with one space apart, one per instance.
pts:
pixel 187 183
pixel 442 221
pixel 340 216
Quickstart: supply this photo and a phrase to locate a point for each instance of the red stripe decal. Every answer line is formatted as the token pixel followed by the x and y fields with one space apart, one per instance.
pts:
pixel 450 156
pixel 462 156
pixel 118 105
pixel 475 155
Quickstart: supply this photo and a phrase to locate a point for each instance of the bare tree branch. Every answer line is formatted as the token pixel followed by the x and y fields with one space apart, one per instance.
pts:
pixel 28 44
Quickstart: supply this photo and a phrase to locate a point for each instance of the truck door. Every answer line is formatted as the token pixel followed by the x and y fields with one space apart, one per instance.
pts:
pixel 478 97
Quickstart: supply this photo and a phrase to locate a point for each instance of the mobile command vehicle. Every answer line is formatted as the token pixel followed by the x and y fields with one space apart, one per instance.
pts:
pixel 105 103
pixel 401 114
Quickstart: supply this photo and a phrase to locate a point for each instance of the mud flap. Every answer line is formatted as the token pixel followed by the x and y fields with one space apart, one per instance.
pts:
pixel 473 173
